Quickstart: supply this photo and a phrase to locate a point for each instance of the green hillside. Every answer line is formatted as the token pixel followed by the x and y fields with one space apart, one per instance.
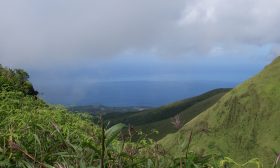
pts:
pixel 160 118
pixel 16 80
pixel 242 124
pixel 35 134
pixel 165 126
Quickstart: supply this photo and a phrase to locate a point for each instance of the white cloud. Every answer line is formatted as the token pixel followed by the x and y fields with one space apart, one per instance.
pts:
pixel 55 31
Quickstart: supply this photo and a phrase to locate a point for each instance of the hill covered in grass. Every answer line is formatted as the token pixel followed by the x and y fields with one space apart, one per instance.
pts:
pixel 242 124
pixel 160 118
pixel 35 134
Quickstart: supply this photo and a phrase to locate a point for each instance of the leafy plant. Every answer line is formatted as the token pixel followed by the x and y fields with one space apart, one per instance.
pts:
pixel 35 134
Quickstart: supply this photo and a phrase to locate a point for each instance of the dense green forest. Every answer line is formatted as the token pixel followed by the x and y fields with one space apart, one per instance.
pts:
pixel 35 134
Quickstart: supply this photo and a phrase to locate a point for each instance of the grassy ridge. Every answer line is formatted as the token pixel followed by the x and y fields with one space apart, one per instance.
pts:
pixel 160 118
pixel 242 124
pixel 165 126
pixel 35 134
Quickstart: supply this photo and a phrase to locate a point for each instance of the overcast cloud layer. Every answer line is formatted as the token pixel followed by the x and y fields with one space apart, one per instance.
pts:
pixel 62 42
pixel 34 31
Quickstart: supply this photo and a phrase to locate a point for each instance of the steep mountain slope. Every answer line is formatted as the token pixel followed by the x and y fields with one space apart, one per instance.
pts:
pixel 242 124
pixel 35 134
pixel 160 118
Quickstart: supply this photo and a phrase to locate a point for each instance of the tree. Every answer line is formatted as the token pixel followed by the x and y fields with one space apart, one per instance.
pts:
pixel 16 80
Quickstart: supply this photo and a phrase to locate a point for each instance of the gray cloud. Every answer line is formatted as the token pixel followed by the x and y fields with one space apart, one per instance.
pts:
pixel 55 31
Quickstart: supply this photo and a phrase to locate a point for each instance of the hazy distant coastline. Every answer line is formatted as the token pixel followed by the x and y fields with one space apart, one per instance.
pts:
pixel 131 93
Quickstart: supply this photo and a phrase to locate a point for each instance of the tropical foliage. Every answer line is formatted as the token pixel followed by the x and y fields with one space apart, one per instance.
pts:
pixel 35 134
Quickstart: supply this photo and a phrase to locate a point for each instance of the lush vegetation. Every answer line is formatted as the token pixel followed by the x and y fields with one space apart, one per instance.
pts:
pixel 35 134
pixel 242 124
pixel 161 118
pixel 16 80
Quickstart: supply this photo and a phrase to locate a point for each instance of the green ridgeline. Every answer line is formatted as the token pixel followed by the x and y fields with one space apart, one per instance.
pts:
pixel 33 133
pixel 244 123
pixel 160 118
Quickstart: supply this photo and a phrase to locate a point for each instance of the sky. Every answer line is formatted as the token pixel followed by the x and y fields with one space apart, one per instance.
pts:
pixel 69 47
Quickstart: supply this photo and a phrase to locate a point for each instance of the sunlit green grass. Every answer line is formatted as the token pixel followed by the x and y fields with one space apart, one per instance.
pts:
pixel 243 124
pixel 34 134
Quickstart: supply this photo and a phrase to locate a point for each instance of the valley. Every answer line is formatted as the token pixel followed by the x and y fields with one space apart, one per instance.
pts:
pixel 219 126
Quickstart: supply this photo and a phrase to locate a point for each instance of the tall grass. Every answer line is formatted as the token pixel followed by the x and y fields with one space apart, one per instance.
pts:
pixel 34 134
